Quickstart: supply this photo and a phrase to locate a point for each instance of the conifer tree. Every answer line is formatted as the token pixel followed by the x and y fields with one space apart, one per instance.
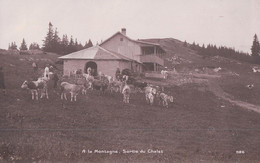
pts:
pixel 34 46
pixel 13 46
pixel 23 45
pixel 47 43
pixel 55 42
pixel 71 47
pixel 64 44
pixel 88 44
pixel 185 44
pixel 255 49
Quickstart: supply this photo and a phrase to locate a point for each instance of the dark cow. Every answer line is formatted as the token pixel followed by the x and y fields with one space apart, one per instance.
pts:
pixel 139 84
pixel 100 85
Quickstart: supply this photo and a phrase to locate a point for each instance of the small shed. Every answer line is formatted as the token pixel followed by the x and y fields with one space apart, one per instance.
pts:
pixel 100 60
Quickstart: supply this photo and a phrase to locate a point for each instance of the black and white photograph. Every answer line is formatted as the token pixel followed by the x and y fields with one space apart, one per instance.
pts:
pixel 129 81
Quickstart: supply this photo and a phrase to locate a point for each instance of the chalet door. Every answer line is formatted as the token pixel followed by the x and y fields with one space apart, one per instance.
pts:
pixel 93 66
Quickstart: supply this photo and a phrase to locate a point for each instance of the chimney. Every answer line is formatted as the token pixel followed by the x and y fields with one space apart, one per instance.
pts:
pixel 123 31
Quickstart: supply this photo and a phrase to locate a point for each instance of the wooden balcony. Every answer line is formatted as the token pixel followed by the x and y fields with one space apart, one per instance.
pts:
pixel 152 58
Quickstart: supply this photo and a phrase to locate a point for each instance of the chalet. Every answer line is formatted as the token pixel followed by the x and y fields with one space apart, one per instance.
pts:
pixel 118 51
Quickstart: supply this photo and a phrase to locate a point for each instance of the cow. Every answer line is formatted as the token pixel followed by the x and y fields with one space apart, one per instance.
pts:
pixel 100 85
pixel 150 92
pixel 256 69
pixel 164 98
pixel 115 86
pixel 126 93
pixel 128 79
pixel 150 98
pixel 87 84
pixel 73 89
pixel 140 85
pixel 250 86
pixel 89 79
pixel 35 86
pixel 109 78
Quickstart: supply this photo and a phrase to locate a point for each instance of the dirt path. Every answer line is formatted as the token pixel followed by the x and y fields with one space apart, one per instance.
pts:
pixel 212 85
pixel 217 90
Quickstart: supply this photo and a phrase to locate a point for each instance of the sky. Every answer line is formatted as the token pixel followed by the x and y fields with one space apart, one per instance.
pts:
pixel 230 23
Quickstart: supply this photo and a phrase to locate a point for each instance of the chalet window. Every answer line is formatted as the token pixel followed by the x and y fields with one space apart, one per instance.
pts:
pixel 121 39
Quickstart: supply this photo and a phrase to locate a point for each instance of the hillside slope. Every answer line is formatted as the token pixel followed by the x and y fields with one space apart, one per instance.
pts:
pixel 176 52
pixel 200 125
pixel 223 76
pixel 18 68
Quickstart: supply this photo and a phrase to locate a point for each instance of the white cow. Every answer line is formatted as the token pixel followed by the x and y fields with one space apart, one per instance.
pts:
pixel 149 98
pixel 150 92
pixel 90 79
pixel 73 89
pixel 115 85
pixel 164 98
pixel 126 93
pixel 256 69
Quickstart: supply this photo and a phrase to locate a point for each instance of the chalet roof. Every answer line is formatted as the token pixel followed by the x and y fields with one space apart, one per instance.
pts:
pixel 97 53
pixel 137 41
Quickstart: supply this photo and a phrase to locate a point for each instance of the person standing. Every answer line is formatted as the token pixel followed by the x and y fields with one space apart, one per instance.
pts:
pixel 46 72
pixel 55 79
pixel 89 71
pixel 2 80
pixel 117 75
pixel 35 67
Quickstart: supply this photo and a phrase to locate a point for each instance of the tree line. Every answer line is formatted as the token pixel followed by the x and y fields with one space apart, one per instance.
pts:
pixel 23 46
pixel 64 45
pixel 53 43
pixel 227 52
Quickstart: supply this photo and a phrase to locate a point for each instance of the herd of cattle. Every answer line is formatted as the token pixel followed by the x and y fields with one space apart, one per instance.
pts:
pixel 85 82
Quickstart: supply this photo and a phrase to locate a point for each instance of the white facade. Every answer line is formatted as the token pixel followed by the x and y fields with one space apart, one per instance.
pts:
pixel 105 66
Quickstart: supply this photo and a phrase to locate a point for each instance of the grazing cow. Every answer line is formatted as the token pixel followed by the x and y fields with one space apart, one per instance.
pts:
pixel 250 86
pixel 34 86
pixel 101 85
pixel 89 78
pixel 78 73
pixel 126 93
pixel 150 92
pixel 217 69
pixel 164 98
pixel 115 86
pixel 109 78
pixel 73 89
pixel 85 83
pixel 128 79
pixel 139 85
pixel 256 69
